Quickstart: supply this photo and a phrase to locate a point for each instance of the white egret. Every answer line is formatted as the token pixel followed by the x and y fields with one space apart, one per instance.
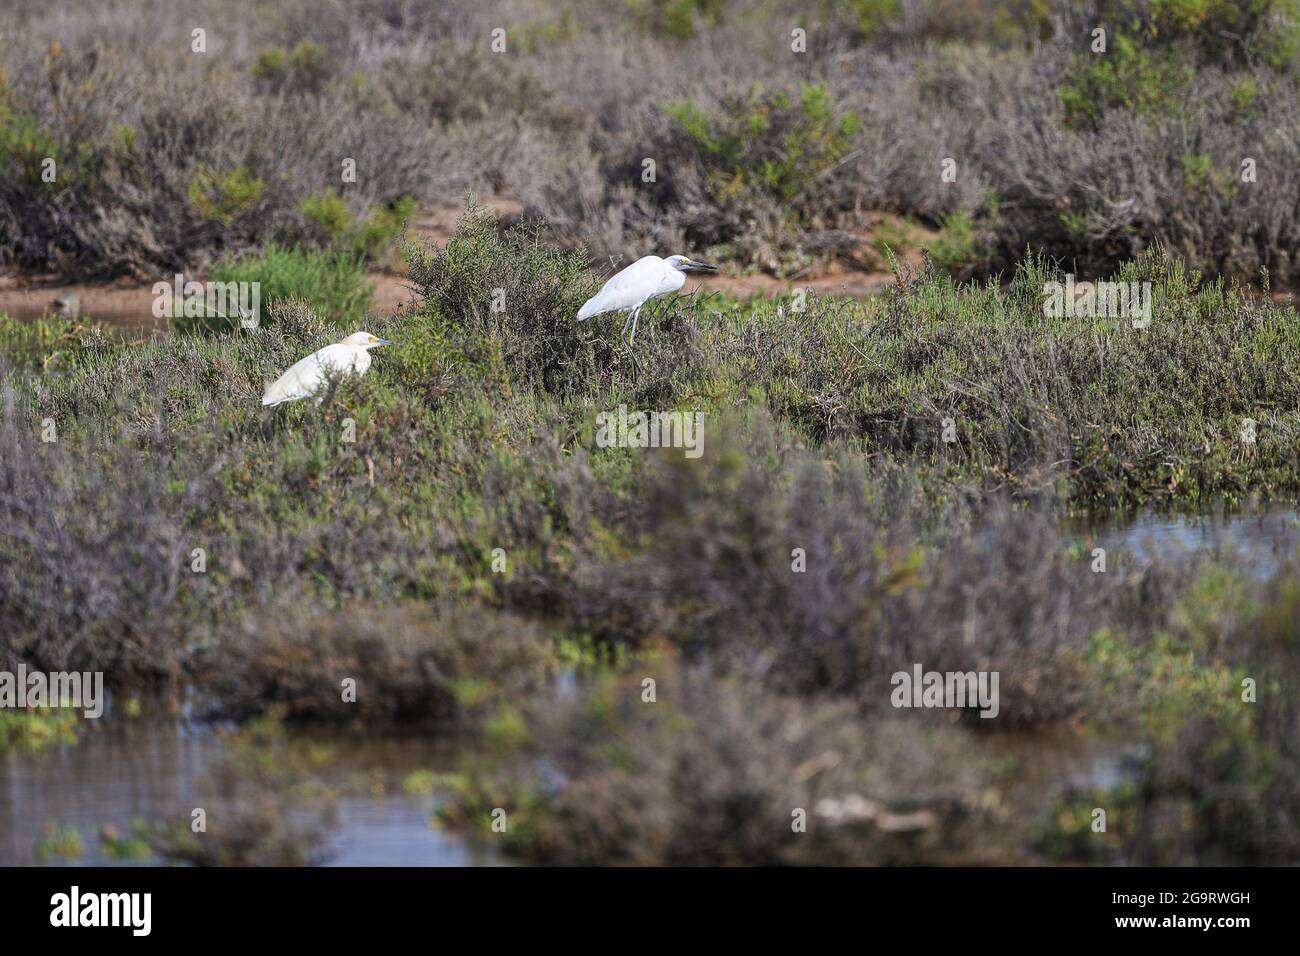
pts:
pixel 305 378
pixel 648 278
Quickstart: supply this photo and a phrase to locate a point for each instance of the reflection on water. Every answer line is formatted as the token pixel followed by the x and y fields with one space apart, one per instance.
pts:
pixel 133 322
pixel 124 770
pixel 1260 540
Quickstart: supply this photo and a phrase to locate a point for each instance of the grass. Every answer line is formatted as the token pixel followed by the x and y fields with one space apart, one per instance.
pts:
pixel 331 283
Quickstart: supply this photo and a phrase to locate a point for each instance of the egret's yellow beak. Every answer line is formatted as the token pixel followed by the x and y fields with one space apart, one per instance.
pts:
pixel 378 341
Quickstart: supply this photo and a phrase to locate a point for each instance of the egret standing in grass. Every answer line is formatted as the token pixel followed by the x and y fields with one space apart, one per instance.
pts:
pixel 307 377
pixel 647 278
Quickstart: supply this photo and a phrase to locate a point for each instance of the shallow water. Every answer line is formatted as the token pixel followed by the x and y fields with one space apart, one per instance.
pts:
pixel 1261 539
pixel 124 770
pixel 131 321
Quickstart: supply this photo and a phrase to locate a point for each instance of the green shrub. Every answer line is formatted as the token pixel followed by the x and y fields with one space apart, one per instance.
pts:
pixel 59 842
pixel 50 342
pixel 510 292
pixel 330 212
pixel 1229 32
pixel 955 249
pixel 368 238
pixel 222 196
pixel 31 731
pixel 132 845
pixel 1243 93
pixel 1154 49
pixel 305 68
pixel 26 144
pixel 1129 76
pixel 771 143
pixel 870 17
pixel 964 246
pixel 677 19
pixel 541 35
pixel 1200 173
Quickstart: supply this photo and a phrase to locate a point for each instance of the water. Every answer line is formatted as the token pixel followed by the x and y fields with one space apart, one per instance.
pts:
pixel 130 320
pixel 123 770
pixel 1259 540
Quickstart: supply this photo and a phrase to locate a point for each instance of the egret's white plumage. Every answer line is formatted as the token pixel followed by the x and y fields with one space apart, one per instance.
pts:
pixel 650 277
pixel 306 378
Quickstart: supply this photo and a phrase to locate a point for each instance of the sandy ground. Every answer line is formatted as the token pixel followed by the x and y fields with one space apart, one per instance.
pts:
pixel 130 303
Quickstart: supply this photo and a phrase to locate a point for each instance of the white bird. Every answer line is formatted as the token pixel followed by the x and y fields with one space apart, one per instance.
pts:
pixel 305 378
pixel 648 278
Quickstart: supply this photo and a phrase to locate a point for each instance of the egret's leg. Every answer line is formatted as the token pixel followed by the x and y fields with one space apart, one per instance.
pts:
pixel 627 323
pixel 635 314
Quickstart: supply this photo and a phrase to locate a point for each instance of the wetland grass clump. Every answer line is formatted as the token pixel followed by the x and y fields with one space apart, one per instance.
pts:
pixel 507 291
pixel 37 729
pixel 407 663
pixel 265 800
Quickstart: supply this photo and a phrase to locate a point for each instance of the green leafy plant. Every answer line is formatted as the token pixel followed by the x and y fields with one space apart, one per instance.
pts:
pixel 365 238
pixel 774 143
pixel 677 19
pixel 31 731
pixel 544 34
pixel 1129 76
pixel 871 17
pixel 1200 173
pixel 134 844
pixel 59 841
pixel 305 68
pixel 26 145
pixel 222 196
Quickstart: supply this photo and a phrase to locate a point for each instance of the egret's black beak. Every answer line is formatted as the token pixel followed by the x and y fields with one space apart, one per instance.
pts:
pixel 694 265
